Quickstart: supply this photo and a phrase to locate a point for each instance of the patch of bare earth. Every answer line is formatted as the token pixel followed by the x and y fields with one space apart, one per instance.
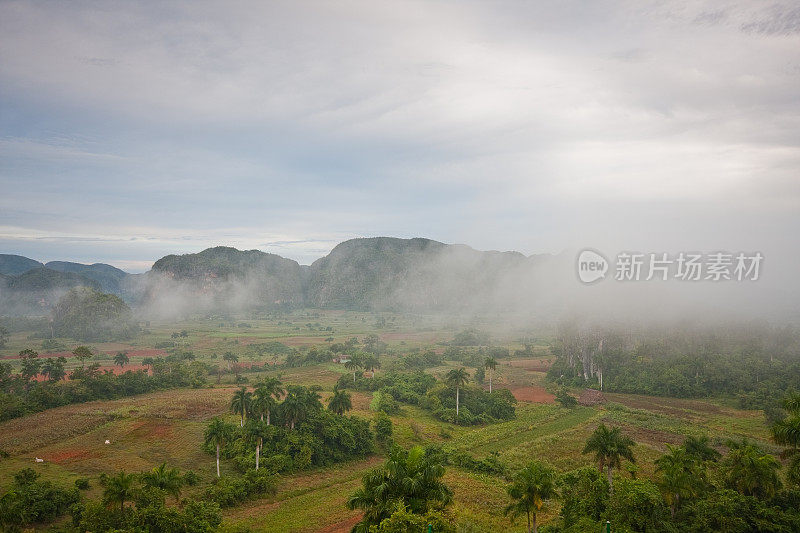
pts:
pixel 533 394
pixel 345 526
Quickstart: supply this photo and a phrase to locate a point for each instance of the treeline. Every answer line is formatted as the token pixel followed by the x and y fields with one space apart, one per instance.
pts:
pixel 452 400
pixel 130 502
pixel 757 364
pixel 290 434
pixel 24 393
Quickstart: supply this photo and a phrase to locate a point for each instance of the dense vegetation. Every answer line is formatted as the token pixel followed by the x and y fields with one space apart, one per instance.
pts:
pixel 89 315
pixel 475 406
pixel 288 435
pixel 754 363
pixel 21 393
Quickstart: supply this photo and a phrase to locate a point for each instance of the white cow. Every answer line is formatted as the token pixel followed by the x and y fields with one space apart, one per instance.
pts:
pixel 108 441
pixel 39 460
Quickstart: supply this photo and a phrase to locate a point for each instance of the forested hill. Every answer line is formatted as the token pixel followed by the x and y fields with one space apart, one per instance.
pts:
pixel 14 265
pixel 111 279
pixel 370 273
pixel 37 290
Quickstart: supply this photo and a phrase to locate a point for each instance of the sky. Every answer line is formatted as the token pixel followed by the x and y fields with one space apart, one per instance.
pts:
pixel 129 131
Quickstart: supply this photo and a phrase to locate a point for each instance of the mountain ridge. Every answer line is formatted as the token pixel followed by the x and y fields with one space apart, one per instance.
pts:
pixel 364 273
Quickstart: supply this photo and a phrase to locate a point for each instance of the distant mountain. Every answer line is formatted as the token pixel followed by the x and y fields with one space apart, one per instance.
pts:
pixel 110 278
pixel 381 273
pixel 413 274
pixel 14 265
pixel 225 278
pixel 36 290
pixel 364 274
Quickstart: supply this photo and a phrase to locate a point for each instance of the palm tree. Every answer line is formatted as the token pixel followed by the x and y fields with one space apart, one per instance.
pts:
pixel 457 378
pixel 265 397
pixel 241 402
pixel 217 434
pixel 412 478
pixel 490 364
pixel 610 446
pixel 82 353
pixel 354 364
pixel 340 402
pixel 255 431
pixel 786 432
pixel 293 409
pixel 371 363
pixel 682 476
pixel 167 479
pixel 700 448
pixel 531 487
pixel 118 489
pixel 121 359
pixel 750 471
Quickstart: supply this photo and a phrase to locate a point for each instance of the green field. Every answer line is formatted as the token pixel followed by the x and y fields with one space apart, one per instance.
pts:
pixel 167 426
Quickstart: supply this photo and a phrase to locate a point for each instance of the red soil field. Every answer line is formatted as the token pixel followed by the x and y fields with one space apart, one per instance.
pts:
pixel 65 456
pixel 532 394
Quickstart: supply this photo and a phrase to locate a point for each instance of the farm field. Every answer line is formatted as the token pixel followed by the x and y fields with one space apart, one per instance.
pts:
pixel 167 426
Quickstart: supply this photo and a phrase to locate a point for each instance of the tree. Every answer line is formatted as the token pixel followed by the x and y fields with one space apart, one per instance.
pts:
pixel 53 368
pixel 457 378
pixel 230 358
pixel 490 364
pixel 371 363
pixel 255 432
pixel 167 479
pixel 121 359
pixel 354 364
pixel 413 478
pixel 293 408
pixel 30 365
pixel 340 402
pixel 750 471
pixel 241 403
pixel 82 353
pixel 265 397
pixel 118 489
pixel 610 446
pixel 682 476
pixel 531 487
pixel 700 448
pixel 565 399
pixel 217 434
pixel 786 432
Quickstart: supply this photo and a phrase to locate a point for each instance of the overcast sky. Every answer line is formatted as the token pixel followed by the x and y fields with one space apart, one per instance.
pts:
pixel 131 131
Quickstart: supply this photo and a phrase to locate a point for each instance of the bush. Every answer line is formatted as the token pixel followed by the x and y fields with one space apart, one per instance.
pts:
pixel 383 427
pixel 82 483
pixel 30 500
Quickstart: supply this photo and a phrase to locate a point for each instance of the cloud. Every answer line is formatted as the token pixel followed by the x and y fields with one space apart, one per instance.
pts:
pixel 289 126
